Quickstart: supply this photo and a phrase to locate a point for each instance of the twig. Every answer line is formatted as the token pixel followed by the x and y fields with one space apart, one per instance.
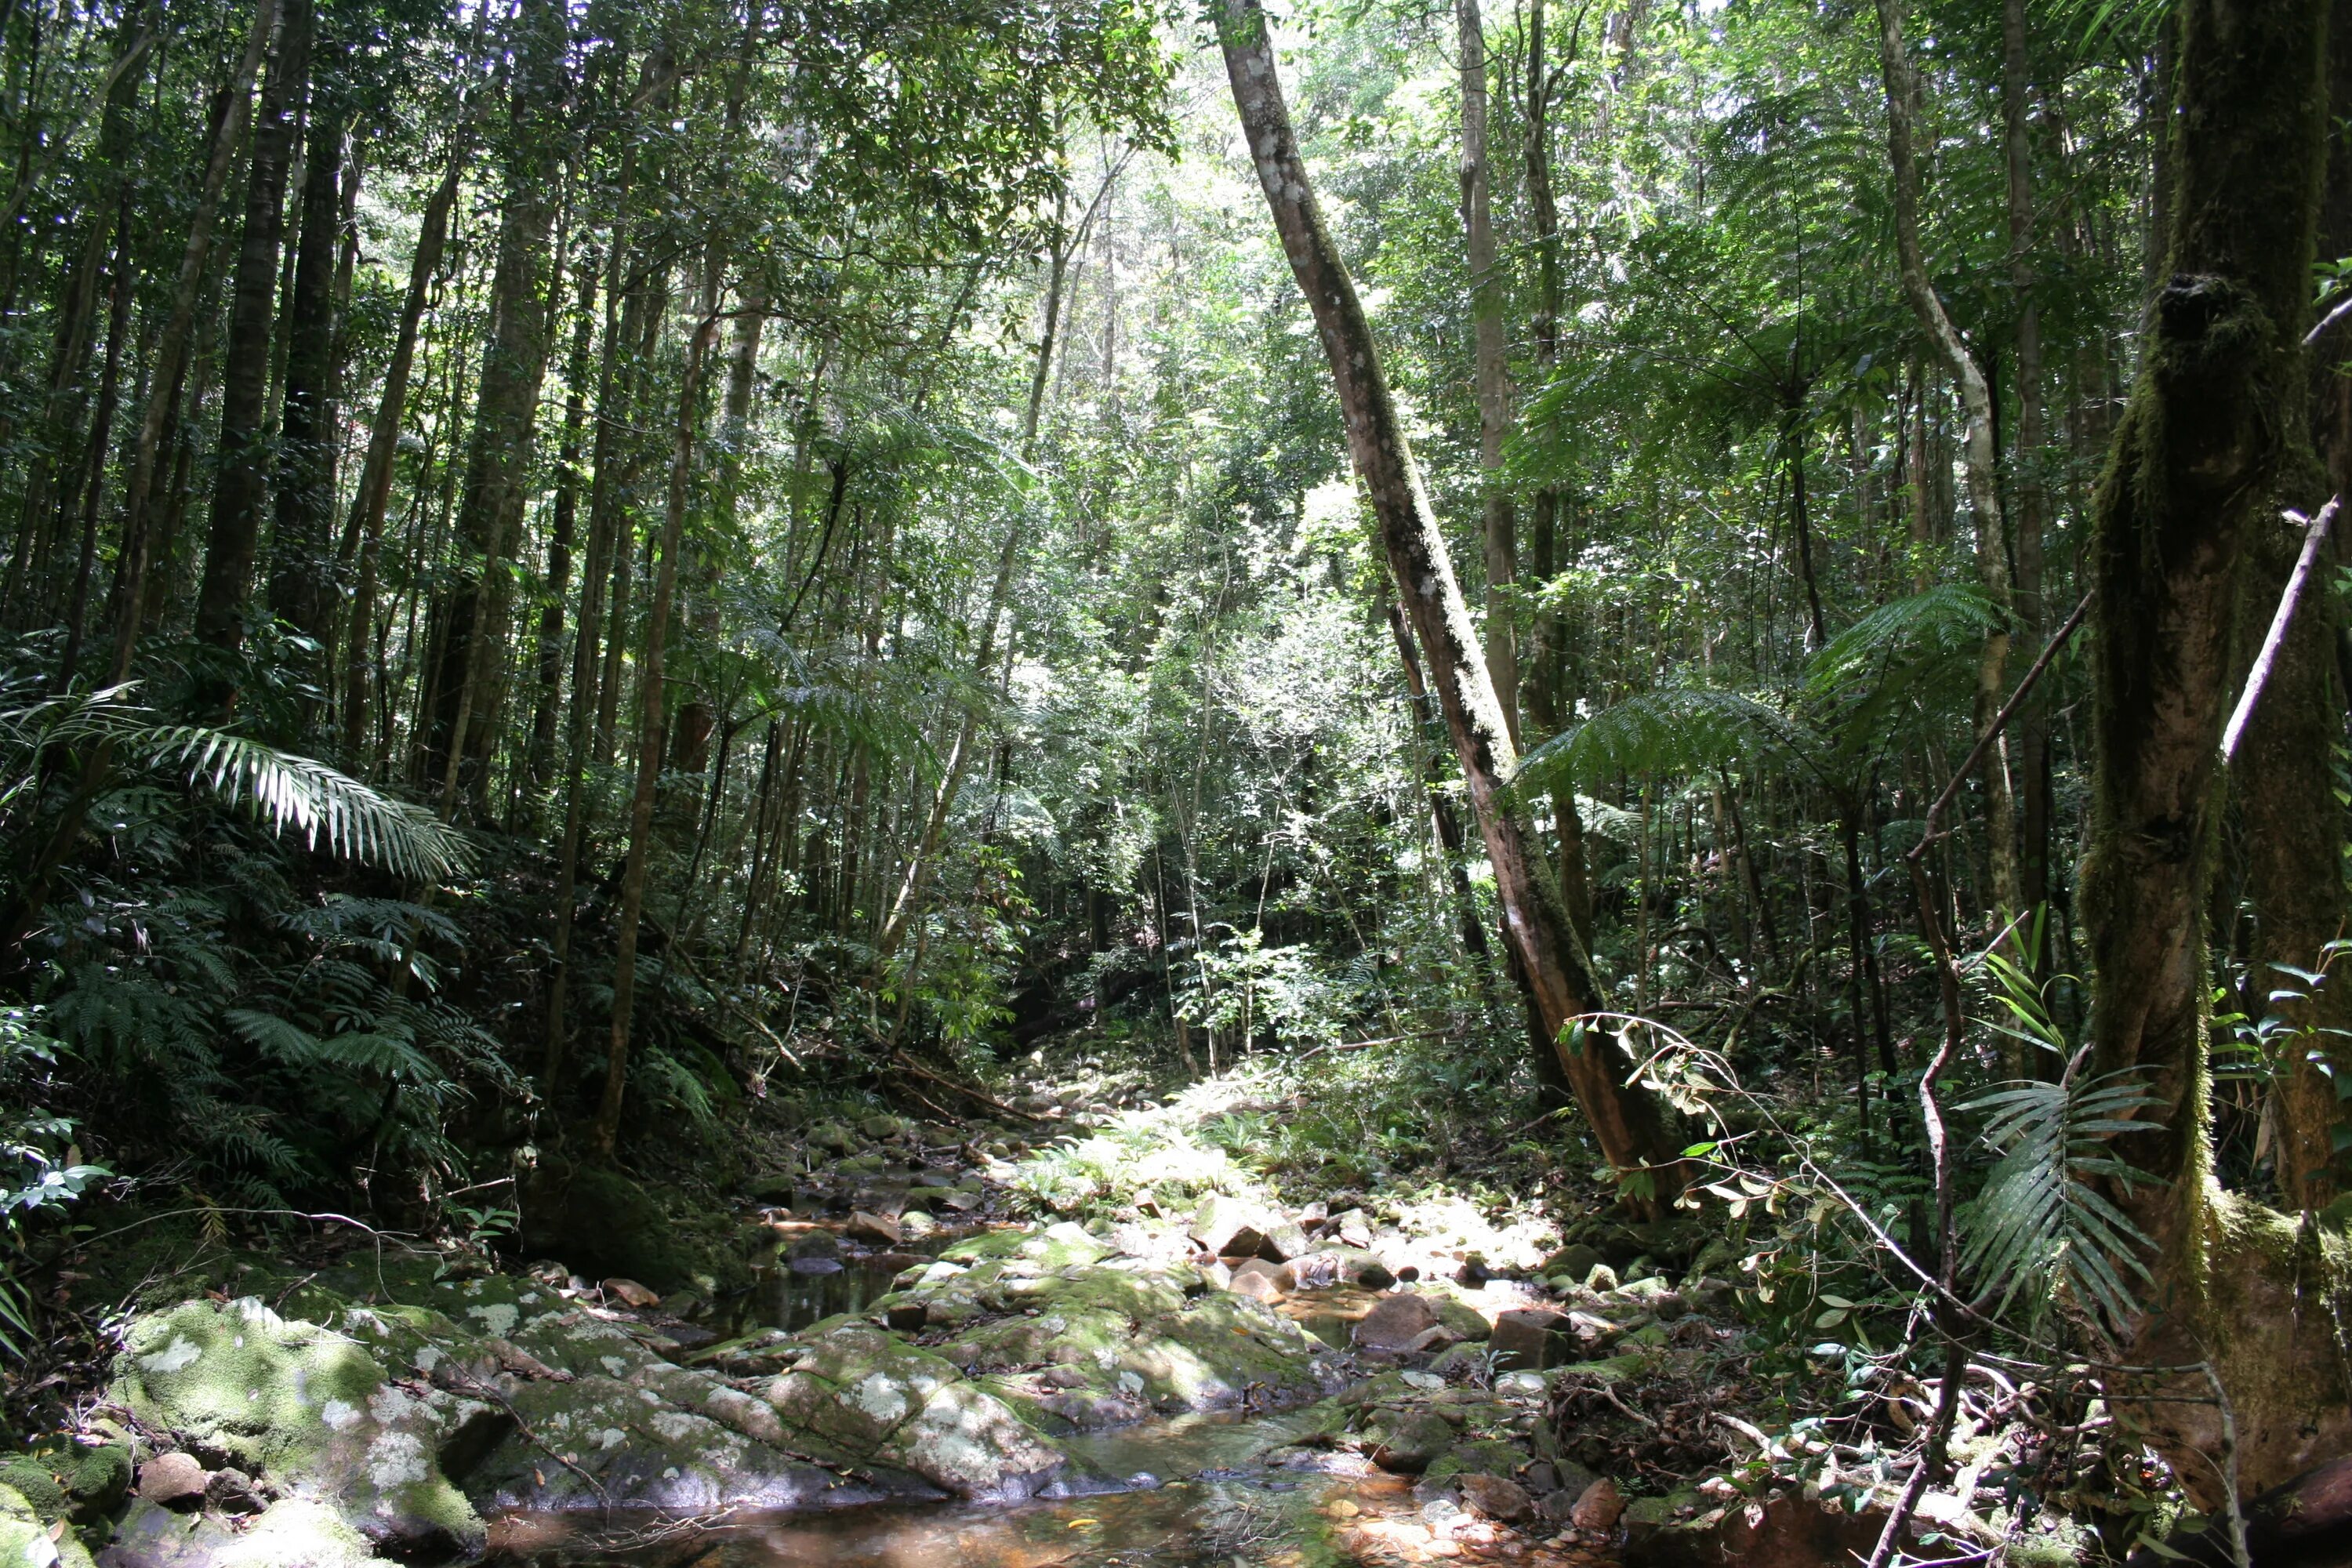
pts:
pixel 2314 536
pixel 1933 830
pixel 2328 323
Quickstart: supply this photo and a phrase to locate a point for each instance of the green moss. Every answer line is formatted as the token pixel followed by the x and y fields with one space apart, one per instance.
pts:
pixel 25 1536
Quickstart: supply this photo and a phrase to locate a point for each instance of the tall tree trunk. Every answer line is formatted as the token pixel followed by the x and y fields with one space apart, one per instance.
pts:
pixel 241 460
pixel 649 739
pixel 1499 527
pixel 302 581
pixel 1632 1128
pixel 383 446
pixel 130 594
pixel 2212 438
pixel 505 406
pixel 1978 449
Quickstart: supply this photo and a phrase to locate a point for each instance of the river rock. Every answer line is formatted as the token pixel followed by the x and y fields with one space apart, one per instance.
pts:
pixel 868 1226
pixel 832 1137
pixel 879 1400
pixel 1260 1280
pixel 629 1293
pixel 1227 1226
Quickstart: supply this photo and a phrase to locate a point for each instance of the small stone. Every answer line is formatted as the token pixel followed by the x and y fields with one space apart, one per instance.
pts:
pixel 865 1226
pixel 1600 1506
pixel 961 1202
pixel 173 1480
pixel 1496 1498
pixel 231 1492
pixel 1354 1228
pixel 914 1225
pixel 908 1318
pixel 1433 1339
pixel 880 1127
pixel 1419 1441
pixel 629 1293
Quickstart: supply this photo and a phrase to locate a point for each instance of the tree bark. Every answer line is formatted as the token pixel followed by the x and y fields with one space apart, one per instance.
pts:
pixel 1499 526
pixel 1632 1128
pixel 242 456
pixel 2210 438
pixel 563 515
pixel 1980 456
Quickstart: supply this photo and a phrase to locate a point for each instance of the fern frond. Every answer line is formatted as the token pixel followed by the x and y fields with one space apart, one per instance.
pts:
pixel 1946 618
pixel 1679 730
pixel 313 800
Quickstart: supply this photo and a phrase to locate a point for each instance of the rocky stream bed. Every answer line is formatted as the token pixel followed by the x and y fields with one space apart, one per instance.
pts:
pixel 910 1382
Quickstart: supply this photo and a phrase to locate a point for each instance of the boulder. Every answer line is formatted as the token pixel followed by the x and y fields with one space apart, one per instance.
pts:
pixel 87 1483
pixel 1392 1325
pixel 1530 1338
pixel 1260 1280
pixel 309 1409
pixel 1599 1506
pixel 1226 1227
pixel 1496 1498
pixel 874 1227
pixel 1417 1441
pixel 832 1137
pixel 295 1532
pixel 881 1127
pixel 1575 1261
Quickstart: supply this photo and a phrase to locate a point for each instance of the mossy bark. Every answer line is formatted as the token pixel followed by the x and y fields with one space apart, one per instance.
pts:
pixel 2211 433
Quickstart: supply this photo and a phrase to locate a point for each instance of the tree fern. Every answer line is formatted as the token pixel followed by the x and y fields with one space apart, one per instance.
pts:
pixel 1679 730
pixel 313 800
pixel 1945 620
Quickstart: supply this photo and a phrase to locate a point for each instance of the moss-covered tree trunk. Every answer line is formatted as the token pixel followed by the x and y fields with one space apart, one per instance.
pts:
pixel 1633 1130
pixel 2211 435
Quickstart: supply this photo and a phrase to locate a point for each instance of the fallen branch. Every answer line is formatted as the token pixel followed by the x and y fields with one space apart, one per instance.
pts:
pixel 2315 535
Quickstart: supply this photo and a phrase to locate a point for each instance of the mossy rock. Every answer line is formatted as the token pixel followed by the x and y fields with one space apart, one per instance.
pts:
pixel 301 1531
pixel 82 1482
pixel 26 1538
pixel 307 1407
pixel 1057 1247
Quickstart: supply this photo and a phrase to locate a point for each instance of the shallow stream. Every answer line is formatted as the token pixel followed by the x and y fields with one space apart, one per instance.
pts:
pixel 1206 1501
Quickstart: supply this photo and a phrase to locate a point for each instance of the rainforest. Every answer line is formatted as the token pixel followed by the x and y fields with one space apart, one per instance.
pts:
pixel 1084 783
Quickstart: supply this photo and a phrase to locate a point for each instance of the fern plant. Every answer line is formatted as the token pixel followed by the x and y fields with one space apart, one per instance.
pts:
pixel 292 793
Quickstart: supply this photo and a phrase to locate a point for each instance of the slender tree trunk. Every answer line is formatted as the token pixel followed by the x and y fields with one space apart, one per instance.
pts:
pixel 2210 440
pixel 1631 1127
pixel 92 485
pixel 1487 289
pixel 384 447
pixel 241 460
pixel 649 739
pixel 1980 457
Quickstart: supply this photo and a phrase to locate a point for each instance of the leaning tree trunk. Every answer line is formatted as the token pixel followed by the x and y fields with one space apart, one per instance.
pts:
pixel 1632 1128
pixel 2211 441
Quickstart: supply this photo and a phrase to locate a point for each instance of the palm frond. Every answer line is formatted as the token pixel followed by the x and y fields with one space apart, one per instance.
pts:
pixel 2042 1223
pixel 323 806
pixel 1679 730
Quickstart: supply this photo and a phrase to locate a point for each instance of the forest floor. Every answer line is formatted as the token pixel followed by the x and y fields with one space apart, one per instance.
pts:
pixel 1095 1327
